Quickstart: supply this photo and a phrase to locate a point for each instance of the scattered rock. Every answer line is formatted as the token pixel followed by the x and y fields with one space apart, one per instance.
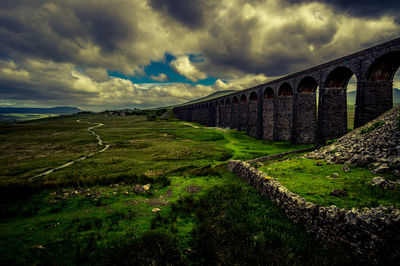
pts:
pixel 381 169
pixel 335 175
pixel 192 189
pixel 383 183
pixel 346 169
pixel 381 145
pixel 319 163
pixel 156 210
pixel 139 189
pixel 396 173
pixel 339 193
pixel 146 187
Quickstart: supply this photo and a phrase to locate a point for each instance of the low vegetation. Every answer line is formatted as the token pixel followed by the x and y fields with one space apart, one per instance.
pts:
pixel 316 179
pixel 374 126
pixel 159 195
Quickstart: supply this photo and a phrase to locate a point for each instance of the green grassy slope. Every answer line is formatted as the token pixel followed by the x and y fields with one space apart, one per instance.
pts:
pixel 195 212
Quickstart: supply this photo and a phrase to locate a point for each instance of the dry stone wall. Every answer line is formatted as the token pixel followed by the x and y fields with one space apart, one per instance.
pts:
pixel 373 232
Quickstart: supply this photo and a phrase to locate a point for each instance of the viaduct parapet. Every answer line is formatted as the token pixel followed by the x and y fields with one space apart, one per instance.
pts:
pixel 286 108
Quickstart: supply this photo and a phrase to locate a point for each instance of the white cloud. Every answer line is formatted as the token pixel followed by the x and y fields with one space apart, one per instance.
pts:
pixel 160 77
pixel 183 66
pixel 62 51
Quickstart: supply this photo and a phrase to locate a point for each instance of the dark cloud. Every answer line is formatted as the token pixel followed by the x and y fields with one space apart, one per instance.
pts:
pixel 190 13
pixel 106 24
pixel 361 8
pixel 64 49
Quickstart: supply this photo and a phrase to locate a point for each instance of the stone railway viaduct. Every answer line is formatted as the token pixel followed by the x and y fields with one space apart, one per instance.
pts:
pixel 286 108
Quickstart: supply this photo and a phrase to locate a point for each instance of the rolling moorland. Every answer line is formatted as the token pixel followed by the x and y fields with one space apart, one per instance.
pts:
pixel 160 194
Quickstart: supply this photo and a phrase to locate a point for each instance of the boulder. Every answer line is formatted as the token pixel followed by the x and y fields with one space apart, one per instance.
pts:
pixel 383 183
pixel 339 193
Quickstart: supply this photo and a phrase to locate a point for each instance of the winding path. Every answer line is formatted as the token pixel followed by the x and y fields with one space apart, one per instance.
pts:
pixel 99 141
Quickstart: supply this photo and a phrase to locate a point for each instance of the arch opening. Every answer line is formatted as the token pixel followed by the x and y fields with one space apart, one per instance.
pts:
pixel 228 102
pixel 384 68
pixel 269 93
pixel 253 97
pixel 235 113
pixel 243 99
pixel 375 93
pixel 305 114
pixel 283 113
pixel 333 112
pixel 285 90
pixel 252 128
pixel 338 78
pixel 308 85
pixel 268 114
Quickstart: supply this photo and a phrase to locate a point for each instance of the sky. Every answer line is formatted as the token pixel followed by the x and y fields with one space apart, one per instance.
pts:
pixel 102 54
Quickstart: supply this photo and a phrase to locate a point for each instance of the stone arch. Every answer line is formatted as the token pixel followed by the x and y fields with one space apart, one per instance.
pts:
pixel 243 112
pixel 338 78
pixel 307 85
pixel 253 97
pixel 332 108
pixel 252 122
pixel 305 112
pixel 268 114
pixel 384 67
pixel 217 113
pixel 221 113
pixel 235 114
pixel 269 93
pixel 283 109
pixel 285 90
pixel 375 94
pixel 228 113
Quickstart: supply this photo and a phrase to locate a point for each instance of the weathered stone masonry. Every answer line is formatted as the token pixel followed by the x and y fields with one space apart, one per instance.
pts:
pixel 372 232
pixel 285 109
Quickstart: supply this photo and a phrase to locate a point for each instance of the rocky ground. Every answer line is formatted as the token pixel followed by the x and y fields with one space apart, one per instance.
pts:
pixel 376 144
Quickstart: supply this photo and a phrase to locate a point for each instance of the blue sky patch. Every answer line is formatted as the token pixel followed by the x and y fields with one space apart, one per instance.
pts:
pixel 156 68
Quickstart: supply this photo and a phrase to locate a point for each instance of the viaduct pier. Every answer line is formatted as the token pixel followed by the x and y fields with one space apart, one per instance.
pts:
pixel 286 108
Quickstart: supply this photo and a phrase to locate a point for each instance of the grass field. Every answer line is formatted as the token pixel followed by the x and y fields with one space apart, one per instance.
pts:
pixel 314 181
pixel 194 212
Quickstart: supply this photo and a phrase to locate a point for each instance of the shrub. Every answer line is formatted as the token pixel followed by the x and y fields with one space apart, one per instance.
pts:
pixel 330 141
pixel 374 126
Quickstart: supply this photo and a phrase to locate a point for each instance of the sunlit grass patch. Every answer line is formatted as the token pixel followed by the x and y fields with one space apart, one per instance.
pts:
pixel 314 180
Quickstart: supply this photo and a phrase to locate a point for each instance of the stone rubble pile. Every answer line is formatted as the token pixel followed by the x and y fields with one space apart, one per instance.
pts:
pixel 377 143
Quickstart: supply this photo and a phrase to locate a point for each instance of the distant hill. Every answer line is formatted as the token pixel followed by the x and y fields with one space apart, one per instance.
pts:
pixel 15 114
pixel 64 110
pixel 209 97
pixel 351 97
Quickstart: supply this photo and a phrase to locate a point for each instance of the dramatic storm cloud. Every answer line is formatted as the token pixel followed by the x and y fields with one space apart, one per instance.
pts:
pixel 136 53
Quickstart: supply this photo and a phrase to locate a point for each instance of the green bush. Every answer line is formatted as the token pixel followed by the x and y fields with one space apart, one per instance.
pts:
pixel 374 126
pixel 330 141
